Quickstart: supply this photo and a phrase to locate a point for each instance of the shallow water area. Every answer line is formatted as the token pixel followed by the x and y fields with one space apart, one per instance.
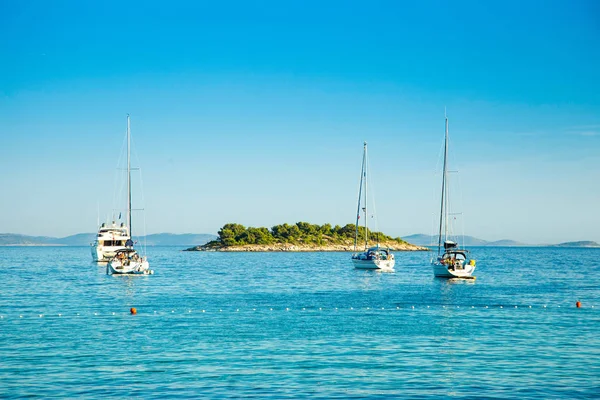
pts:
pixel 299 325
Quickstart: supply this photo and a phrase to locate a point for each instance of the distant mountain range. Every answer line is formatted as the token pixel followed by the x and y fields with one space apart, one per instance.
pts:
pixel 428 240
pixel 198 239
pixel 84 239
pixel 584 243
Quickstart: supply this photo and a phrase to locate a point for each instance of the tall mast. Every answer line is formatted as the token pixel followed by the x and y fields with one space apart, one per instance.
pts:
pixel 443 210
pixel 129 177
pixel 362 179
pixel 446 182
pixel 366 198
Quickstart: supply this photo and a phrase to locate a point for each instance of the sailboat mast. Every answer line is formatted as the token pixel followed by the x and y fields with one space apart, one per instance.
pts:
pixel 366 199
pixel 362 178
pixel 446 183
pixel 129 178
pixel 443 210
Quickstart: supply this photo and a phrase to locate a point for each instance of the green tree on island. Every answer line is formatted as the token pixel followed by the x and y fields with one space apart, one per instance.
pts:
pixel 233 234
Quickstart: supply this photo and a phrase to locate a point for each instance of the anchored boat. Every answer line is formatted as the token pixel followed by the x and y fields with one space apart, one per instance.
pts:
pixel 126 260
pixel 451 261
pixel 110 238
pixel 376 258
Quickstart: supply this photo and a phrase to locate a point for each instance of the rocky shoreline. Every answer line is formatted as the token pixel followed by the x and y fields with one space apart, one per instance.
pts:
pixel 287 247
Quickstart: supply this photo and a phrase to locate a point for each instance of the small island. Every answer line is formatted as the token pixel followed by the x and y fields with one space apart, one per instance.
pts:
pixel 301 236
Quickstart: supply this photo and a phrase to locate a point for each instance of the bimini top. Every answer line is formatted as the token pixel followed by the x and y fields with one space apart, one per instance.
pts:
pixel 376 249
pixel 125 250
pixel 456 251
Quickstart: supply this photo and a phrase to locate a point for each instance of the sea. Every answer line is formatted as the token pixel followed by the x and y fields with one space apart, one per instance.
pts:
pixel 299 325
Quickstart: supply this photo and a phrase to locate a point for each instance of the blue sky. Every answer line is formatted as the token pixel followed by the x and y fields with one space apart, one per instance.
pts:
pixel 255 112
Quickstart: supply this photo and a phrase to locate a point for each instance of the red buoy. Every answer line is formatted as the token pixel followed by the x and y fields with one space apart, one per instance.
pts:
pixel 578 304
pixel 133 310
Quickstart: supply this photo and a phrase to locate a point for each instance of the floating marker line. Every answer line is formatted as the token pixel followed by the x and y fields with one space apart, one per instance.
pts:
pixel 191 311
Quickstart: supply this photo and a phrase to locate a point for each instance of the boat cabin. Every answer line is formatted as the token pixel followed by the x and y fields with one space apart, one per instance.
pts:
pixel 375 253
pixel 113 235
pixel 454 258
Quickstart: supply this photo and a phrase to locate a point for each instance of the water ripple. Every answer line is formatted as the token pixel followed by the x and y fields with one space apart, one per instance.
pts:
pixel 290 325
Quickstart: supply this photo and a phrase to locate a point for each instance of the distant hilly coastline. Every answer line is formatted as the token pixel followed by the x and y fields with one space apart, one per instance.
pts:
pixel 429 240
pixel 84 239
pixel 584 243
pixel 195 239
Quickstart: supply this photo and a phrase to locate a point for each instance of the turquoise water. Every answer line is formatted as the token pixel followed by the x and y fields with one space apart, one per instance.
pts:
pixel 295 325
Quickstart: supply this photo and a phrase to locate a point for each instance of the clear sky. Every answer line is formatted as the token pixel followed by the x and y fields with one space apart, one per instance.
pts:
pixel 255 112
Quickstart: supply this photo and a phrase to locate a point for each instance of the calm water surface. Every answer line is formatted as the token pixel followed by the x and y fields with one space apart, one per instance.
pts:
pixel 281 325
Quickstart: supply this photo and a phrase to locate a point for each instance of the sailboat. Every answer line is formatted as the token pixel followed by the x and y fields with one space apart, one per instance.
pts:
pixel 375 258
pixel 126 260
pixel 451 260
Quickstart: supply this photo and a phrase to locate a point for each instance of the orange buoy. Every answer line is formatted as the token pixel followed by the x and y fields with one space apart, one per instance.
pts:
pixel 133 310
pixel 578 304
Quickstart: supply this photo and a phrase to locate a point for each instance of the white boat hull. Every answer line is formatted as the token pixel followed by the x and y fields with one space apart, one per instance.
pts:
pixel 104 253
pixel 374 264
pixel 133 268
pixel 443 271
